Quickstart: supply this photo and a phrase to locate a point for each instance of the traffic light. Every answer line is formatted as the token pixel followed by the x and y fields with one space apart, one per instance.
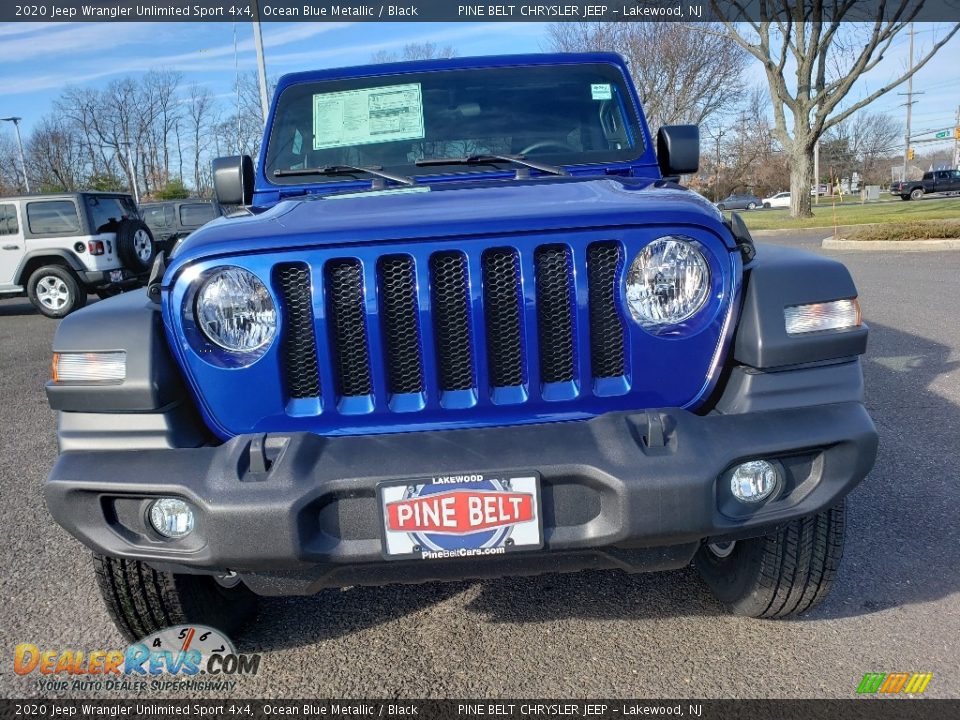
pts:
pixel 956 133
pixel 910 154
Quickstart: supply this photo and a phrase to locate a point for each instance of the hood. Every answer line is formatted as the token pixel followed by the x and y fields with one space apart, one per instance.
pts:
pixel 465 209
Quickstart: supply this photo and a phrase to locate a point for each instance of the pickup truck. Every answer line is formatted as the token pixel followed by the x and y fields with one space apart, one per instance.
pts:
pixel 935 181
pixel 465 325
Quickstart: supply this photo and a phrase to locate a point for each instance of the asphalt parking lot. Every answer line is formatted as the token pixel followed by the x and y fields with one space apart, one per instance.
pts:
pixel 895 607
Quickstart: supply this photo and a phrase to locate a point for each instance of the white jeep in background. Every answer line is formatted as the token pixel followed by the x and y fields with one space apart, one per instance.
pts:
pixel 57 248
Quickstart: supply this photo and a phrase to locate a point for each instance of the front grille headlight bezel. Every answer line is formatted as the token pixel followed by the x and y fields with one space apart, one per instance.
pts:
pixel 198 321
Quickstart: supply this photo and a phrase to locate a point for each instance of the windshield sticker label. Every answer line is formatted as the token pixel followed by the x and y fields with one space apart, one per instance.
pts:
pixel 601 91
pixel 371 115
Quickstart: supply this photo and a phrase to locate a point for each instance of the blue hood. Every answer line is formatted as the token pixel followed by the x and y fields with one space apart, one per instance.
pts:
pixel 470 208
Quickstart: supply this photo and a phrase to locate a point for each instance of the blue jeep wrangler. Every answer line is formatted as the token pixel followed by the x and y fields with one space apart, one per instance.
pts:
pixel 465 324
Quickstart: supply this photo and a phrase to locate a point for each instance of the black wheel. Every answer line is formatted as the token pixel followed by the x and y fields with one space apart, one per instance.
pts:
pixel 751 206
pixel 916 193
pixel 55 291
pixel 766 205
pixel 141 600
pixel 778 575
pixel 135 245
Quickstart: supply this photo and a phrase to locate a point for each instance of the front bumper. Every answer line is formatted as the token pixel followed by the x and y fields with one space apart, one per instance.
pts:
pixel 293 513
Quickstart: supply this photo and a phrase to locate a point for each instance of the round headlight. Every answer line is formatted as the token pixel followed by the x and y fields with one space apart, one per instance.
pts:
pixel 235 310
pixel 668 282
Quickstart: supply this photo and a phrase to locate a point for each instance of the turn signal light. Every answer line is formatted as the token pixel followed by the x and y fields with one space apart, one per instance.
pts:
pixel 95 247
pixel 102 367
pixel 815 317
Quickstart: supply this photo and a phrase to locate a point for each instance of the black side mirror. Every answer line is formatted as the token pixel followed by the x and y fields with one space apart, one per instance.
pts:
pixel 678 149
pixel 233 180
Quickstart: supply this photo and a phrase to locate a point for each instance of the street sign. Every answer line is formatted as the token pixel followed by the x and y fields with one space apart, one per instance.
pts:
pixel 943 134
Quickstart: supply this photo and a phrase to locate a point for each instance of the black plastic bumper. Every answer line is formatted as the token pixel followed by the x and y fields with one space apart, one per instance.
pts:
pixel 295 513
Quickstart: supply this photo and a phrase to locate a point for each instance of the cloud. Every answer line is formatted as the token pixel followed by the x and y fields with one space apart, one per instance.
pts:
pixel 68 41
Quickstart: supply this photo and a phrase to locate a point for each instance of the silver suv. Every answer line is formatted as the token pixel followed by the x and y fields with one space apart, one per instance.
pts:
pixel 55 249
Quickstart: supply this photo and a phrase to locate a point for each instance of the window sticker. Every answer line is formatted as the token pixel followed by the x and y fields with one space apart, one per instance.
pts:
pixel 371 115
pixel 601 91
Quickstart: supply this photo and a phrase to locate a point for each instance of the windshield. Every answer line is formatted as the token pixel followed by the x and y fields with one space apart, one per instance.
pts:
pixel 562 114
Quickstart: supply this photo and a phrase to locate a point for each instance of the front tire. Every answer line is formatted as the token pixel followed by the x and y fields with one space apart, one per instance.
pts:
pixel 55 291
pixel 778 575
pixel 141 600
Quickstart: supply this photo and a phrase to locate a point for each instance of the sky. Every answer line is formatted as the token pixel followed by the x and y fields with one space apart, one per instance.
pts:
pixel 39 59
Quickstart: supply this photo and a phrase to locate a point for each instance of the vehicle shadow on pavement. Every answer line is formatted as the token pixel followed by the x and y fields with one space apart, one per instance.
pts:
pixel 901 543
pixel 286 622
pixel 13 308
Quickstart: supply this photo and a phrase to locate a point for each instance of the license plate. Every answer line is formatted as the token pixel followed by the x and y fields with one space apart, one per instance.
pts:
pixel 470 515
pixel 116 275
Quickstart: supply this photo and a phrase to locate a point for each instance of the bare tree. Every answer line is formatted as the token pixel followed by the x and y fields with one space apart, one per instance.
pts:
pixel 682 75
pixel 829 55
pixel 55 155
pixel 200 115
pixel 414 51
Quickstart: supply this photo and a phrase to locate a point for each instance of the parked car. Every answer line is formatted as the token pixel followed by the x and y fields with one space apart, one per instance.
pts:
pixel 173 220
pixel 739 202
pixel 57 248
pixel 933 182
pixel 407 364
pixel 777 200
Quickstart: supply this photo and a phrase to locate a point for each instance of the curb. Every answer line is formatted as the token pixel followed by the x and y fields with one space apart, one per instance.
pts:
pixel 904 245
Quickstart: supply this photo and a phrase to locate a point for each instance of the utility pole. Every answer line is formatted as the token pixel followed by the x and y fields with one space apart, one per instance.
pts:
pixel 956 141
pixel 816 172
pixel 261 65
pixel 716 185
pixel 23 164
pixel 910 101
pixel 133 176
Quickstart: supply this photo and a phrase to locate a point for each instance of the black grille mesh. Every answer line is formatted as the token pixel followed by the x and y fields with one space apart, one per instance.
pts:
pixel 401 328
pixel 348 327
pixel 501 302
pixel 450 308
pixel 299 347
pixel 555 304
pixel 604 266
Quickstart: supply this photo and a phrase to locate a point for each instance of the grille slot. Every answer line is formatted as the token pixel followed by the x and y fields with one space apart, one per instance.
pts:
pixel 555 307
pixel 401 329
pixel 502 312
pixel 450 307
pixel 348 327
pixel 604 267
pixel 298 346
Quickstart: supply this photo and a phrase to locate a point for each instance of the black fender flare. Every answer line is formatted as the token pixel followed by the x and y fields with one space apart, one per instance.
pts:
pixel 71 259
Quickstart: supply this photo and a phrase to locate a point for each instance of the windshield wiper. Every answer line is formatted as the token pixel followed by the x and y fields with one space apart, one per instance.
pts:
pixel 376 170
pixel 486 159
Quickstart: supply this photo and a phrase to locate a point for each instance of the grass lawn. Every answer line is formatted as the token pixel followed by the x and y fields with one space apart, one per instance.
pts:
pixel 911 230
pixel 856 214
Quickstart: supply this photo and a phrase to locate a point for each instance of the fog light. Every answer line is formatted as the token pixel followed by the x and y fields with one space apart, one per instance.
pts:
pixel 171 517
pixel 754 481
